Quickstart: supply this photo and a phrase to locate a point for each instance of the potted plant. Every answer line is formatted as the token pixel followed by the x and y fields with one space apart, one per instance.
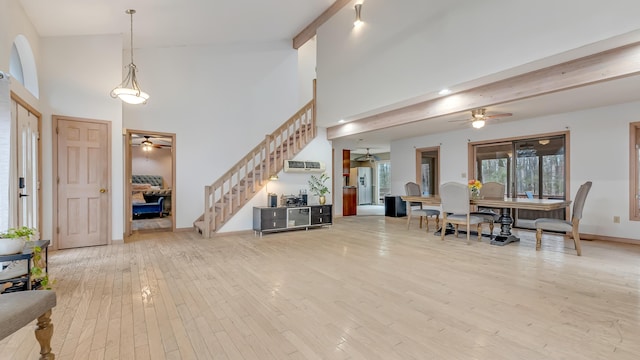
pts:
pixel 317 187
pixel 12 241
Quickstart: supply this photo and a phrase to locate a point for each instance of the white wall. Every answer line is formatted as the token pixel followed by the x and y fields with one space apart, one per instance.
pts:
pixel 219 101
pixel 599 151
pixel 409 48
pixel 154 162
pixel 75 80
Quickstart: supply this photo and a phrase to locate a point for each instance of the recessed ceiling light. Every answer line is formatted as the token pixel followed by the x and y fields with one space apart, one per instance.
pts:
pixel 341 121
pixel 444 92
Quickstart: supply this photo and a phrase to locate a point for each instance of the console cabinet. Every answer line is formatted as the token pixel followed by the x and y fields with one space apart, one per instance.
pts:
pixel 271 219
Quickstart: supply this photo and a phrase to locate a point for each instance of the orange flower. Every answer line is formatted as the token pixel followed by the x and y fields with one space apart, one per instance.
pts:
pixel 475 184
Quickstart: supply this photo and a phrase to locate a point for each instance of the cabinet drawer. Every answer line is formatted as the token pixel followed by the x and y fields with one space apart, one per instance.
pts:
pixel 273 214
pixel 321 219
pixel 271 224
pixel 321 210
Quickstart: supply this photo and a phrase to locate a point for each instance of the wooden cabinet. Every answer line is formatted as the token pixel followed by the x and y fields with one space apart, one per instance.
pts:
pixel 269 219
pixel 349 204
pixel 346 162
pixel 321 215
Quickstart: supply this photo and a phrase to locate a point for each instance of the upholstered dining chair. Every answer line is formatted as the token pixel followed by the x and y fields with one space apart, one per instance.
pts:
pixel 454 198
pixel 490 190
pixel 416 209
pixel 563 225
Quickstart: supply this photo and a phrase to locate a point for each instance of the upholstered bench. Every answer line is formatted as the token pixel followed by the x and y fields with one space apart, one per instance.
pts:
pixel 18 309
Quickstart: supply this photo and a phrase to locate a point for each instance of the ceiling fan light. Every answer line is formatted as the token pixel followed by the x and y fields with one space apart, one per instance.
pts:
pixel 478 124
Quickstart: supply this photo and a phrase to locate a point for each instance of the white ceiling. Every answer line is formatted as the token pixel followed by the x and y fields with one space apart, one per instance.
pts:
pixel 169 23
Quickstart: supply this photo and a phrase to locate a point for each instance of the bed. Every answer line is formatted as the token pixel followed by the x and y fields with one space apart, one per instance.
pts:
pixel 149 195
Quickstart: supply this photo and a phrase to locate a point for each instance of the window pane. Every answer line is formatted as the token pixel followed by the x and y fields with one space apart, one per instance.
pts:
pixel 384 179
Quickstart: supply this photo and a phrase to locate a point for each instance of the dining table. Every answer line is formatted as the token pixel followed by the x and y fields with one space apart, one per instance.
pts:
pixel 505 204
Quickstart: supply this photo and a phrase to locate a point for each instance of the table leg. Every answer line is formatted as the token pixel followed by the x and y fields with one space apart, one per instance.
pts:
pixel 505 236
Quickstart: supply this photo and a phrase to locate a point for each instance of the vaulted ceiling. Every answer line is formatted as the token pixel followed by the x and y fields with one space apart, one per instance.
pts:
pixel 170 23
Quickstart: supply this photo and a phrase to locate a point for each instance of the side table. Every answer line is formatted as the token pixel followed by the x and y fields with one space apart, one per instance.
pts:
pixel 23 281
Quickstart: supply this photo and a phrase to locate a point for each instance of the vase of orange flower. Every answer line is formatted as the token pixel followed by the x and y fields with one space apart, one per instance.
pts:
pixel 474 187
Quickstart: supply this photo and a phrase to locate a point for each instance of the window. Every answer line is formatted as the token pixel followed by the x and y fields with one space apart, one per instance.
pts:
pixel 533 166
pixel 384 180
pixel 634 172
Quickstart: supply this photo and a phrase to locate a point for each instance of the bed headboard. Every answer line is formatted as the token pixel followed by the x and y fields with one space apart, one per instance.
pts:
pixel 153 180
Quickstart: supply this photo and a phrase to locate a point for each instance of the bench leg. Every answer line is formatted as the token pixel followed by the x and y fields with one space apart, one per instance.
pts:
pixel 44 332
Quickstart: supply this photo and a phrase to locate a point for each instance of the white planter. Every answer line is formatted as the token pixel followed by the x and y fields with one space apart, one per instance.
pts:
pixel 11 245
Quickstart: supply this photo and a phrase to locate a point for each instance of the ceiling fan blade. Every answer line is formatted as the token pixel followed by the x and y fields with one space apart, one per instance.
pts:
pixel 497 116
pixel 460 120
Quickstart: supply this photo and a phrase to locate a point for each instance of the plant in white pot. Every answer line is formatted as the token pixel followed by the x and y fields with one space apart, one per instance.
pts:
pixel 12 241
pixel 318 188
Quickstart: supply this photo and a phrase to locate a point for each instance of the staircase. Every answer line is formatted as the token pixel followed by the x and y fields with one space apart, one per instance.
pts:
pixel 227 195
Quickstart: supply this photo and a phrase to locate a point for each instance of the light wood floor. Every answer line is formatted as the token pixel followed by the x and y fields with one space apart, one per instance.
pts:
pixel 366 288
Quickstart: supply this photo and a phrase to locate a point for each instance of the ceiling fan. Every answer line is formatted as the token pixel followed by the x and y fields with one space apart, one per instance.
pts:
pixel 149 141
pixel 479 117
pixel 367 157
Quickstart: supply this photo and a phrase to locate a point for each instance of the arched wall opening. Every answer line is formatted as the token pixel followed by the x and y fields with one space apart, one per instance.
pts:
pixel 22 65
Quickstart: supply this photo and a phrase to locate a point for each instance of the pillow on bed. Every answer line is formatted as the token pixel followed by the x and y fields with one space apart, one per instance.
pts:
pixel 140 187
pixel 138 198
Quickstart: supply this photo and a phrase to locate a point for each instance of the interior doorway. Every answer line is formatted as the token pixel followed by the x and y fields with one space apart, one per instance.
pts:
pixel 150 178
pixel 428 170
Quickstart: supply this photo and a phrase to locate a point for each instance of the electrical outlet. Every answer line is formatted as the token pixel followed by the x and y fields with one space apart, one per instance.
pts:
pixel 616 219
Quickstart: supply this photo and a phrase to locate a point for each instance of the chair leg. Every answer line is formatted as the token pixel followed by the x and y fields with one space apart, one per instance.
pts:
pixel 443 230
pixel 468 234
pixel 480 232
pixel 421 218
pixel 437 222
pixel 538 239
pixel 491 229
pixel 408 220
pixel 44 331
pixel 456 230
pixel 426 223
pixel 576 240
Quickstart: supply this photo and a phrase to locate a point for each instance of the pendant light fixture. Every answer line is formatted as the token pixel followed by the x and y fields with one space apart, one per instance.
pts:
pixel 129 90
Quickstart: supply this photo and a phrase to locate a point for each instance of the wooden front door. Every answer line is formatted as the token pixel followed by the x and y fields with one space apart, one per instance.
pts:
pixel 83 182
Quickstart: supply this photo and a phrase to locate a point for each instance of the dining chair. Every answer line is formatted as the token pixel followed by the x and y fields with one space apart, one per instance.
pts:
pixel 563 225
pixel 490 190
pixel 454 198
pixel 415 208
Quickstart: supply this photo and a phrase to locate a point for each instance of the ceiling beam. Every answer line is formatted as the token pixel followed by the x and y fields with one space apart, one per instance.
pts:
pixel 310 31
pixel 608 65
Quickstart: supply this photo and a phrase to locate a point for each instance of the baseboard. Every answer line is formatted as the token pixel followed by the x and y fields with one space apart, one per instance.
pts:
pixel 609 238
